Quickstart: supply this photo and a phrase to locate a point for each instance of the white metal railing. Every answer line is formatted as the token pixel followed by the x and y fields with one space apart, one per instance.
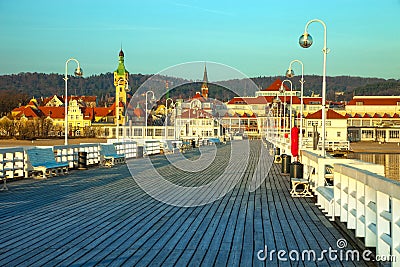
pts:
pixel 369 203
pixel 330 145
pixel 362 198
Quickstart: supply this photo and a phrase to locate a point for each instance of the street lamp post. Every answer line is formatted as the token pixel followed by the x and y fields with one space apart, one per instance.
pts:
pixel 145 133
pixel 290 74
pixel 273 113
pixel 78 72
pixel 282 89
pixel 279 124
pixel 306 41
pixel 166 114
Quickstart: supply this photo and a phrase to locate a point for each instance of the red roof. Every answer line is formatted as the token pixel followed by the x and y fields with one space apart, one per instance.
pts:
pixel 104 111
pixel 330 115
pixel 199 97
pixel 366 116
pixel 348 115
pixel 30 112
pixel 395 115
pixel 91 98
pixel 27 111
pixel 53 112
pixel 88 113
pixel 390 101
pixel 276 85
pixel 357 116
pixel 376 115
pixel 386 116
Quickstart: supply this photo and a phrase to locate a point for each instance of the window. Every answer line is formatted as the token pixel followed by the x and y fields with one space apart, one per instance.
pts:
pixel 312 123
pixel 366 122
pixel 359 103
pixel 367 134
pixel 137 132
pixel 171 132
pixel 394 134
pixel 309 134
pixel 338 134
pixel 159 132
pixel 381 134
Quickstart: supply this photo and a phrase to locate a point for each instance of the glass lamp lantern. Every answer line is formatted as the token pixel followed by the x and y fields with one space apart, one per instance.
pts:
pixel 305 40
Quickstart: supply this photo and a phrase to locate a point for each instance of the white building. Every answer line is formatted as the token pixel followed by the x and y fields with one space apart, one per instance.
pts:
pixel 335 126
pixel 374 104
pixel 197 123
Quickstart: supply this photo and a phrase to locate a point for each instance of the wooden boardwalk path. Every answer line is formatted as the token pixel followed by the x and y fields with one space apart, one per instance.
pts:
pixel 102 217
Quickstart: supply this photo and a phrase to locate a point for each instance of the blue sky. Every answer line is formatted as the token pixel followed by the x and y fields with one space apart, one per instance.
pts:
pixel 259 38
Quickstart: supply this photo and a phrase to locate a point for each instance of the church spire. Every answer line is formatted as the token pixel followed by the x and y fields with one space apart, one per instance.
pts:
pixel 204 86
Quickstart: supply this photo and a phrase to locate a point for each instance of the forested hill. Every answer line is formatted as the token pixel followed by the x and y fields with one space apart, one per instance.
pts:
pixel 19 88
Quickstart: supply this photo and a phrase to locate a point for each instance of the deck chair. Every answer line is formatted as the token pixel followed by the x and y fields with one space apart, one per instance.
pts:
pixel 305 182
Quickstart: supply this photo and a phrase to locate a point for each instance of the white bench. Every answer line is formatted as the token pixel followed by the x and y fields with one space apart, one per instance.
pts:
pixel 325 194
pixel 42 161
pixel 305 182
pixel 325 200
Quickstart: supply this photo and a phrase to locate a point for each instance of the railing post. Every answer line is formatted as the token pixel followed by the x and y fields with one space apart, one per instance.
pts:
pixel 370 217
pixel 360 207
pixel 383 224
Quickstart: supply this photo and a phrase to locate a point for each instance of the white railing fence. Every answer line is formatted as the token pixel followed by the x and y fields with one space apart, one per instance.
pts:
pixel 361 198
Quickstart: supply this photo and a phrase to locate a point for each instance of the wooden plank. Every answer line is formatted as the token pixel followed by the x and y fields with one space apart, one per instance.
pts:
pixel 102 217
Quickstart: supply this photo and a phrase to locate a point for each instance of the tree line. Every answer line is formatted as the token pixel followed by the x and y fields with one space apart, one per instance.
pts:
pixel 17 89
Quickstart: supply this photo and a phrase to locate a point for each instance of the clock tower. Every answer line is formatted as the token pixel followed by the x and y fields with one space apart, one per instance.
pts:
pixel 121 77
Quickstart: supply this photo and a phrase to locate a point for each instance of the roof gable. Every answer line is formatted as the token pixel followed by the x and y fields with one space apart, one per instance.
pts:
pixel 330 115
pixel 275 86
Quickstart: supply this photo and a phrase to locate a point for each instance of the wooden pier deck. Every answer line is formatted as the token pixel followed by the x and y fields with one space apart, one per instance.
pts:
pixel 102 217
